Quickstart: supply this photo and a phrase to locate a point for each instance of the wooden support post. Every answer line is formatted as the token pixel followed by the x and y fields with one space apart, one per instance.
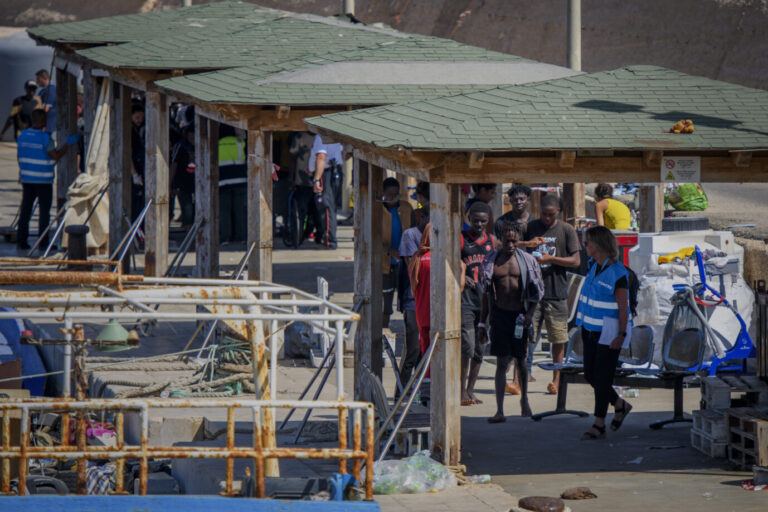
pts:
pixel 574 198
pixel 367 263
pixel 66 124
pixel 156 184
pixel 260 204
pixel 535 203
pixel 207 196
pixel 445 319
pixel 91 91
pixel 346 187
pixel 651 208
pixel 119 163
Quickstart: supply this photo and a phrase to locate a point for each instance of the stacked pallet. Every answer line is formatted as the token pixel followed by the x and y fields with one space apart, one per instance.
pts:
pixel 710 432
pixel 747 436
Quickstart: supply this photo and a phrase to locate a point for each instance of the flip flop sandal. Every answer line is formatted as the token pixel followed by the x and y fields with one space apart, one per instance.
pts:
pixel 468 402
pixel 477 401
pixel 624 411
pixel 496 419
pixel 591 436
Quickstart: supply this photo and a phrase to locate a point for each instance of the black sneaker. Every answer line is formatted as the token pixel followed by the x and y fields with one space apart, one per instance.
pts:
pixel 23 246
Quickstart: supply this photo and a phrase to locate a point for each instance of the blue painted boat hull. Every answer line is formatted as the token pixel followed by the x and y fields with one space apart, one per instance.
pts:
pixel 185 503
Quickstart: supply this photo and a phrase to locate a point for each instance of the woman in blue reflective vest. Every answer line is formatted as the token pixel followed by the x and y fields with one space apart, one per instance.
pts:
pixel 604 318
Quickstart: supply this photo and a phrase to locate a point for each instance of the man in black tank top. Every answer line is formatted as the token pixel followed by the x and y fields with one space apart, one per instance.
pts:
pixel 475 244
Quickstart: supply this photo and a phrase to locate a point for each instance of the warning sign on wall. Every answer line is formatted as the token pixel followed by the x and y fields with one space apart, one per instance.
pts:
pixel 681 169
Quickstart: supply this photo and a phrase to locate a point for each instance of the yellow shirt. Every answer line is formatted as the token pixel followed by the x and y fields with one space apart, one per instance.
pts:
pixel 617 215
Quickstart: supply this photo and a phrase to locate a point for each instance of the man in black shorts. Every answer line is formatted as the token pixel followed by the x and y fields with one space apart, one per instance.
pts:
pixel 476 243
pixel 515 287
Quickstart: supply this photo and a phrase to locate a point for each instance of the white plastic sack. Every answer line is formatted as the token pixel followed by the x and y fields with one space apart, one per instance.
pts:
pixel 656 290
pixel 417 473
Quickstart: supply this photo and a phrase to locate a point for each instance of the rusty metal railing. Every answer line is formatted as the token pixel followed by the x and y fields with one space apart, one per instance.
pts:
pixel 260 453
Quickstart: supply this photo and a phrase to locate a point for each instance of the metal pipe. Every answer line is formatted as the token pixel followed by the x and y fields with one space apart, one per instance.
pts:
pixel 113 404
pixel 574 34
pixel 55 237
pixel 36 299
pixel 182 248
pixel 131 234
pixel 134 315
pixel 400 420
pixel 317 394
pixel 127 236
pixel 67 388
pixel 96 204
pixel 45 231
pixel 308 387
pixel 406 390
pixel 63 278
pixel 339 342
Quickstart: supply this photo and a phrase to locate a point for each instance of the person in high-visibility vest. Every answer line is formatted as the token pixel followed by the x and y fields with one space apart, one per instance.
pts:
pixel 37 156
pixel 233 186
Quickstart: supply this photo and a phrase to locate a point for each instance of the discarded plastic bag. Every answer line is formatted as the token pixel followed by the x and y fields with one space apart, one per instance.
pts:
pixel 417 473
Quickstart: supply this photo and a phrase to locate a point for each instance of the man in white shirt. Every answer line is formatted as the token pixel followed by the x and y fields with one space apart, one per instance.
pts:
pixel 323 159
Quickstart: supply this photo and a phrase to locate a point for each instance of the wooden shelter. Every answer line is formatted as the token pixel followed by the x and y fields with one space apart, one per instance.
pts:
pixel 259 69
pixel 611 126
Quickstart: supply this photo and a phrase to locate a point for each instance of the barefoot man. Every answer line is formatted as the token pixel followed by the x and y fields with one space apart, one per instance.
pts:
pixel 515 289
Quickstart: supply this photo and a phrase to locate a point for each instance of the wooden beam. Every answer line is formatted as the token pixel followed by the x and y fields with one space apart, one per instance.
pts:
pixel 207 196
pixel 156 184
pixel 574 200
pixel 285 118
pixel 651 208
pixel 392 164
pixel 119 163
pixel 565 159
pixel 476 159
pixel 260 204
pixel 652 159
pixel 208 110
pixel 445 321
pixel 141 79
pixel 714 169
pixel 283 111
pixel 66 124
pixel 91 92
pixel 367 273
pixel 396 159
pixel 741 158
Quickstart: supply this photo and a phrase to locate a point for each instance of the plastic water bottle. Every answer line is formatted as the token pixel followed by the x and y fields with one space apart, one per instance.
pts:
pixel 519 324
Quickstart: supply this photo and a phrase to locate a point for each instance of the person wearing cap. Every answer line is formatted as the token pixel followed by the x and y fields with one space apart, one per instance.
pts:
pixel 21 110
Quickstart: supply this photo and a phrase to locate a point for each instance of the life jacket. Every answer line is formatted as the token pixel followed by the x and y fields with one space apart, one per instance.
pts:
pixel 35 165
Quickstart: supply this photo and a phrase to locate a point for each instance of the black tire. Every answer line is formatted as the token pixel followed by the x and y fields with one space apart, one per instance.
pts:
pixel 684 223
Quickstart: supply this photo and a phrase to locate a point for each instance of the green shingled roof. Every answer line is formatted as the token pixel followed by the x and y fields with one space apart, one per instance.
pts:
pixel 151 25
pixel 249 46
pixel 625 109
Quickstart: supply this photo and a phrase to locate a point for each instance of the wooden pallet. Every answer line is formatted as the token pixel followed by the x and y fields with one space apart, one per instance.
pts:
pixel 716 392
pixel 748 436
pixel 709 446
